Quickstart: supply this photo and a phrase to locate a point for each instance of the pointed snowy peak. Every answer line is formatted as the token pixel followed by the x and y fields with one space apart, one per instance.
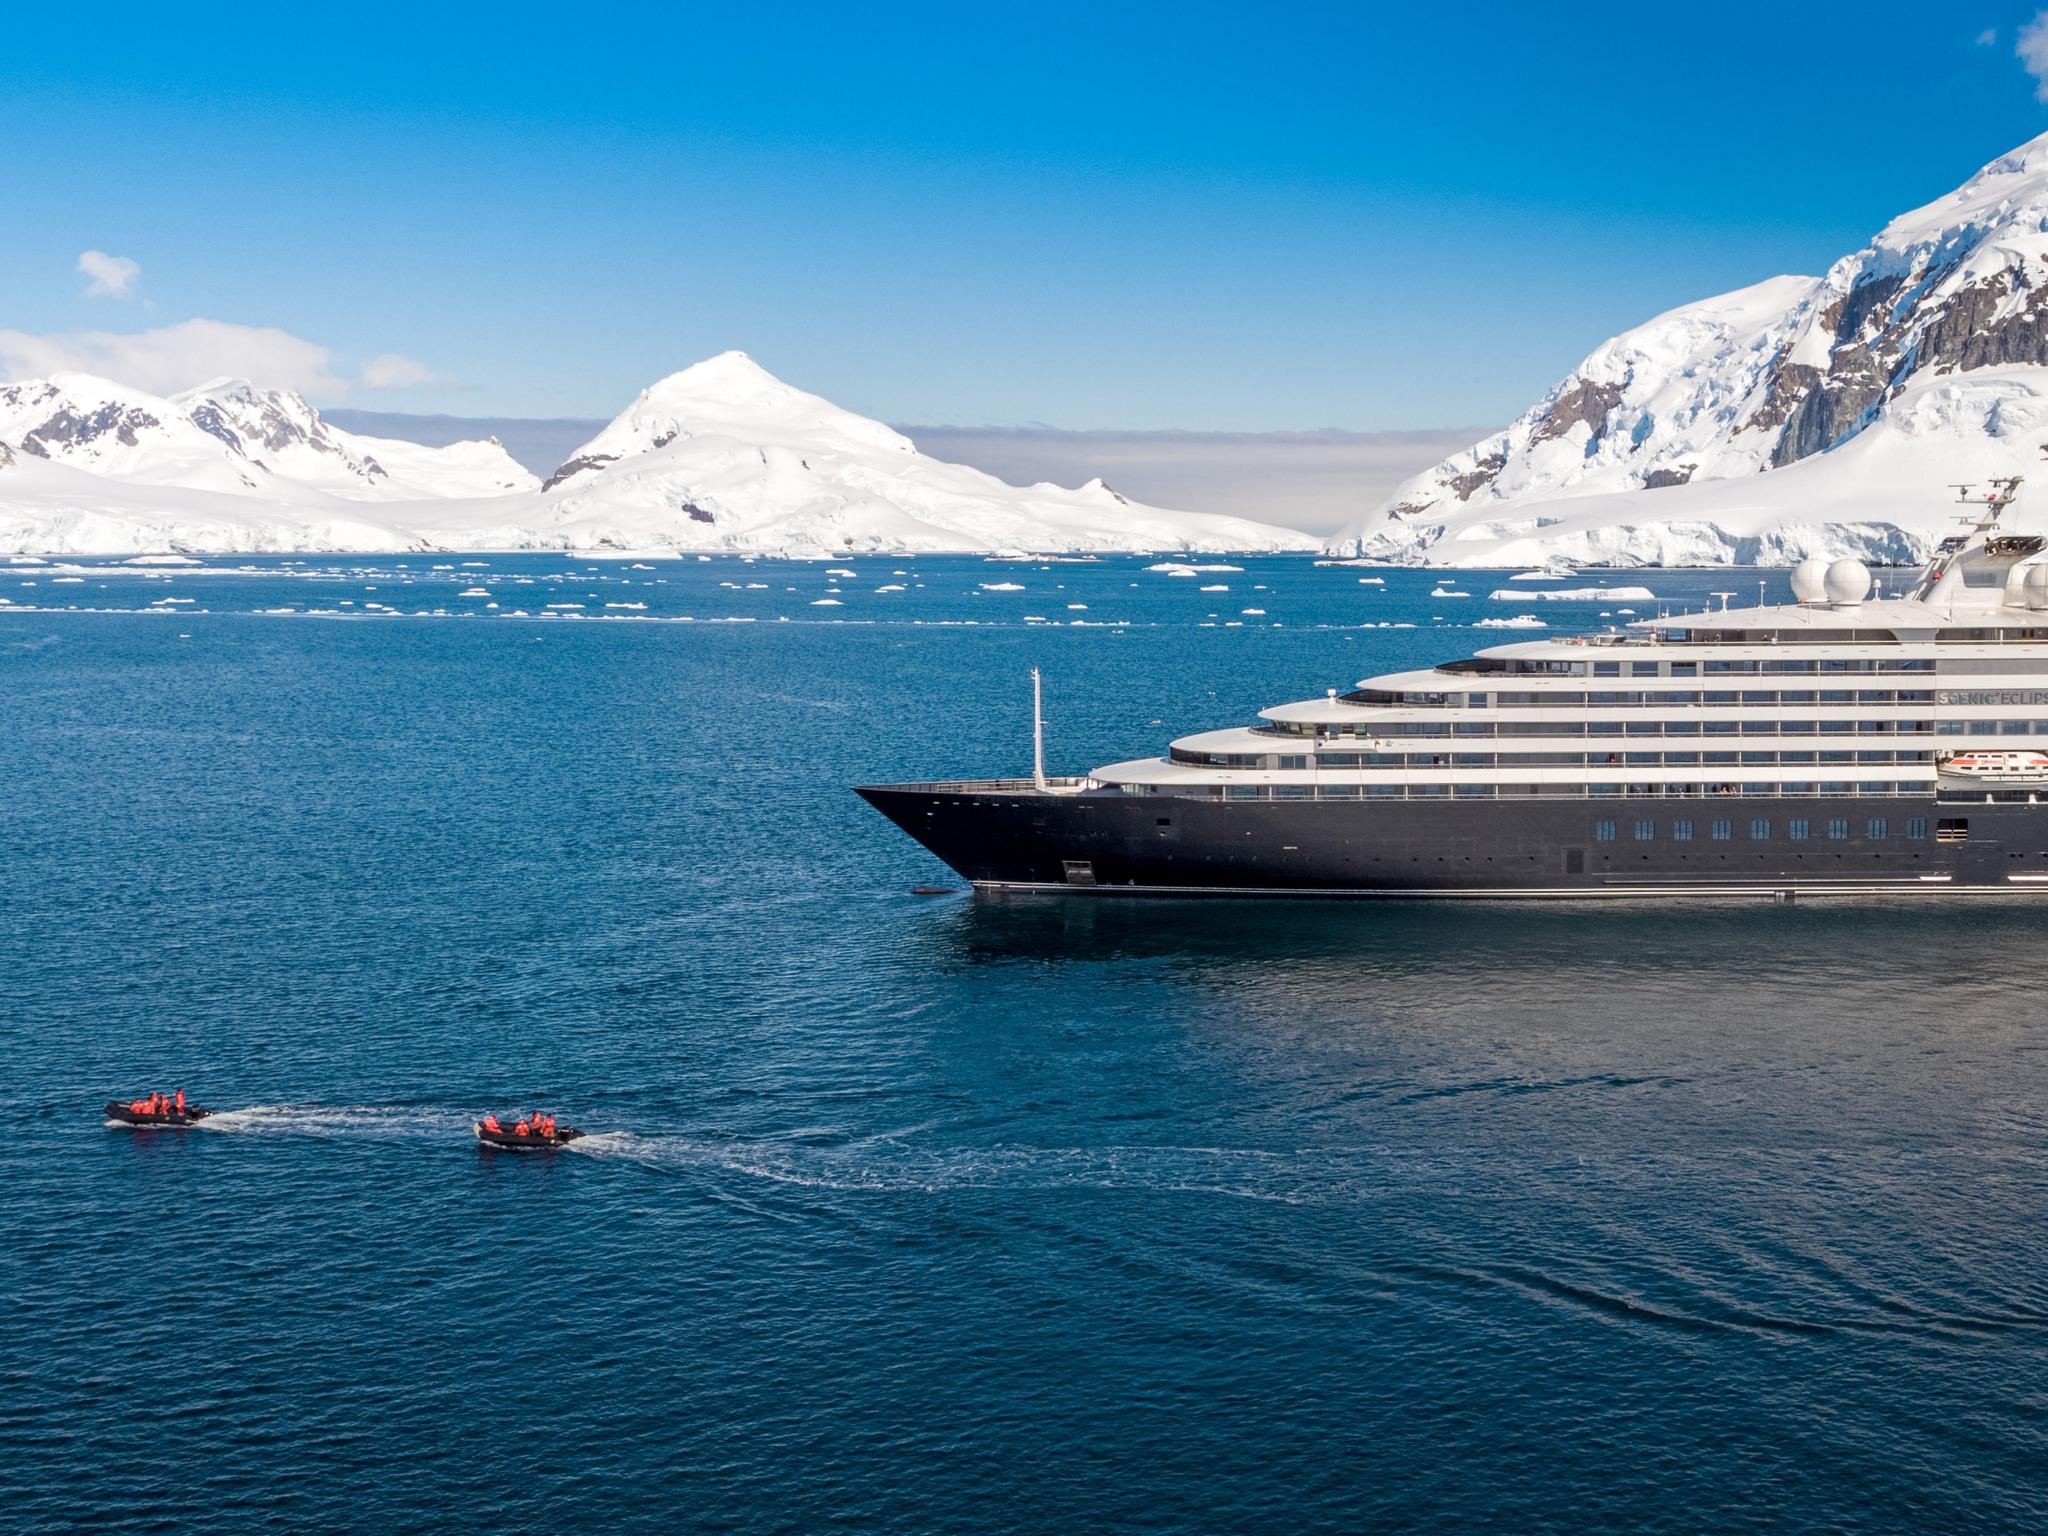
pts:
pixel 733 397
pixel 273 426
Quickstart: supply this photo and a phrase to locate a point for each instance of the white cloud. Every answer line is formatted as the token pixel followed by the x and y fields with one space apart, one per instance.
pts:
pixel 1987 37
pixel 2032 52
pixel 387 370
pixel 175 357
pixel 111 277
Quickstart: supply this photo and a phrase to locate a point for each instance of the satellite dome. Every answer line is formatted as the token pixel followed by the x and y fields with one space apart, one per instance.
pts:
pixel 2035 584
pixel 1810 579
pixel 1847 582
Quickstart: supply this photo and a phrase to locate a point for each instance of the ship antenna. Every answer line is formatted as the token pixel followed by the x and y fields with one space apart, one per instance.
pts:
pixel 1038 780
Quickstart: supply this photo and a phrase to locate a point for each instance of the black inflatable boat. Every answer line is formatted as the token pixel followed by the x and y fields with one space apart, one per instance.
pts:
pixel 532 1141
pixel 143 1120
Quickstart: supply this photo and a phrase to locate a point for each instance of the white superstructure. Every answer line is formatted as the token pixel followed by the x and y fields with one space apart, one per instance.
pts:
pixel 1840 693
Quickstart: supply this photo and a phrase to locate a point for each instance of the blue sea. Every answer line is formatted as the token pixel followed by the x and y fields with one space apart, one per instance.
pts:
pixel 915 1214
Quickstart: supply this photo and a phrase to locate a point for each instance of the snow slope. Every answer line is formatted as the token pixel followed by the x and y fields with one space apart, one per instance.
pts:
pixel 722 456
pixel 1798 416
pixel 725 456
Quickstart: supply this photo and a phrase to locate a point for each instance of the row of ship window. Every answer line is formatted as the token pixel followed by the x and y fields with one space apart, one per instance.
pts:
pixel 1570 791
pixel 1288 763
pixel 1631 698
pixel 1489 730
pixel 1590 759
pixel 1731 668
pixel 1774 666
pixel 1797 829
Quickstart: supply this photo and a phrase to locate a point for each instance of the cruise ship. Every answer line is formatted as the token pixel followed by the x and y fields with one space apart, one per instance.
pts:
pixel 1842 744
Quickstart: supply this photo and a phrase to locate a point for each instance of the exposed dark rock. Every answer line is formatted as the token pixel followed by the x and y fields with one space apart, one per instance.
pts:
pixel 1480 474
pixel 1657 479
pixel 1846 317
pixel 664 439
pixel 1789 383
pixel 207 417
pixel 1962 335
pixel 1857 380
pixel 6 456
pixel 576 466
pixel 1585 402
pixel 1408 509
pixel 70 428
pixel 697 513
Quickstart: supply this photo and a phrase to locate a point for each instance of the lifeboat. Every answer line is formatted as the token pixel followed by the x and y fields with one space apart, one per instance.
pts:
pixel 144 1120
pixel 1995 768
pixel 514 1140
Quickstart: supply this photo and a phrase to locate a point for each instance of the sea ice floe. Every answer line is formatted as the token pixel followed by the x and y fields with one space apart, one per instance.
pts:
pixel 1577 595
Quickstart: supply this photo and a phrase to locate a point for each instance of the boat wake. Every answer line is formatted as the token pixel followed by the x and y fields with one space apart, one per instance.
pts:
pixel 374 1122
pixel 891 1167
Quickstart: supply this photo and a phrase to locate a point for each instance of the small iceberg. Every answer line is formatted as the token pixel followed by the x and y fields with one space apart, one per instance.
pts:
pixel 1216 589
pixel 1001 586
pixel 827 602
pixel 1519 621
pixel 1368 581
pixel 1447 592
pixel 1577 595
pixel 1180 568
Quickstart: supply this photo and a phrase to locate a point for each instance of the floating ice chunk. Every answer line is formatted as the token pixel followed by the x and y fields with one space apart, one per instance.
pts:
pixel 158 560
pixel 1001 586
pixel 1077 607
pixel 840 570
pixel 1519 621
pixel 1216 589
pixel 625 605
pixel 1577 595
pixel 827 602
pixel 1253 613
pixel 474 592
pixel 1368 581
pixel 894 586
pixel 1181 568
pixel 1447 592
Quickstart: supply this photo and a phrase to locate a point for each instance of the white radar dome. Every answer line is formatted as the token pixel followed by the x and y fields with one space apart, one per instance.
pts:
pixel 2035 584
pixel 1810 579
pixel 1847 582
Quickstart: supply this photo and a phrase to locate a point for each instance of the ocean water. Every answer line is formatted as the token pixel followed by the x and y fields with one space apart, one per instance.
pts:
pixel 937 1215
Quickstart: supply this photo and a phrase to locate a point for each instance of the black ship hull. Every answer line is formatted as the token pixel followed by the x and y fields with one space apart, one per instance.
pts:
pixel 1005 835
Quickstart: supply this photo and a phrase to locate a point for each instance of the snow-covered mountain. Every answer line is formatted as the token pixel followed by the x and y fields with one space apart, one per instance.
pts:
pixel 726 456
pixel 722 456
pixel 1799 416
pixel 232 438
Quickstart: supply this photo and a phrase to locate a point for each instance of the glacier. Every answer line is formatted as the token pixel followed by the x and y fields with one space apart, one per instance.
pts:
pixel 1800 416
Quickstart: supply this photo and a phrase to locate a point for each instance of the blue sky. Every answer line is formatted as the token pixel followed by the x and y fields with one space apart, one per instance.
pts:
pixel 1251 218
